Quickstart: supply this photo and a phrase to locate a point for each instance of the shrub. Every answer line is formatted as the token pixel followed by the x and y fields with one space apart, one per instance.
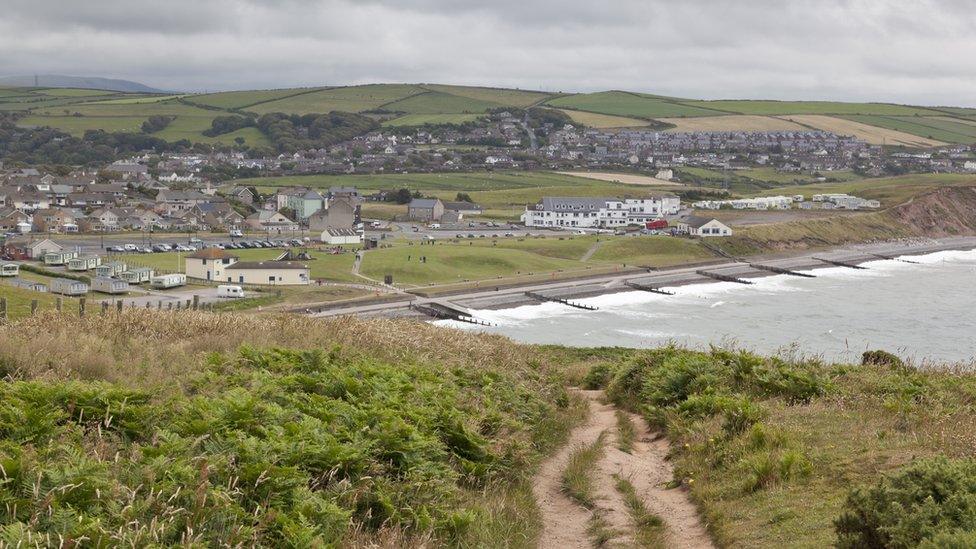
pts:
pixel 881 358
pixel 931 501
pixel 599 376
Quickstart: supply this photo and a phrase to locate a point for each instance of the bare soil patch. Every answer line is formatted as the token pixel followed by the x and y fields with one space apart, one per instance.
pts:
pixel 871 134
pixel 625 178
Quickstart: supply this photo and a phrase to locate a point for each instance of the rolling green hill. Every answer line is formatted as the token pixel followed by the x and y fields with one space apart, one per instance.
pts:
pixel 78 110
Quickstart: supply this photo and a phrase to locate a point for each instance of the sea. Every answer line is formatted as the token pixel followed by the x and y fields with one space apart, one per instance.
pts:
pixel 921 307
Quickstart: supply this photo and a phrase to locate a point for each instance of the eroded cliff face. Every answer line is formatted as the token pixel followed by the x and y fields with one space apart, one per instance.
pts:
pixel 948 211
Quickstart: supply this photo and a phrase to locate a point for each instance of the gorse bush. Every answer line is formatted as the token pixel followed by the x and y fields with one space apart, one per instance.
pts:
pixel 272 447
pixel 931 503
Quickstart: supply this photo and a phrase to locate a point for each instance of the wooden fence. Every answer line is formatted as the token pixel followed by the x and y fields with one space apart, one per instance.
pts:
pixel 104 306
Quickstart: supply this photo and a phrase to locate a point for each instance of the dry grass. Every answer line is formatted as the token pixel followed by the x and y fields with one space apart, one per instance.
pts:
pixel 871 134
pixel 150 349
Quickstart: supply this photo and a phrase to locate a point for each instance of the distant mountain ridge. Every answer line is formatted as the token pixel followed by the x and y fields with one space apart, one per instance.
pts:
pixel 87 82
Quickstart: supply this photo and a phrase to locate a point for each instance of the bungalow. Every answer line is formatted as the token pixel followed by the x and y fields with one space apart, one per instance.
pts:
pixel 336 237
pixel 276 273
pixel 39 249
pixel 209 263
pixel 463 208
pixel 703 226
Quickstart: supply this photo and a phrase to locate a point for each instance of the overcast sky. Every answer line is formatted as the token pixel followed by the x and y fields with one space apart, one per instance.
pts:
pixel 908 51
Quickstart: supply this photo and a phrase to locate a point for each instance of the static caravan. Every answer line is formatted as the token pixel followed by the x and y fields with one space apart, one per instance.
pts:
pixel 66 286
pixel 109 285
pixel 59 258
pixel 137 276
pixel 84 263
pixel 110 269
pixel 230 291
pixel 9 269
pixel 163 282
pixel 28 285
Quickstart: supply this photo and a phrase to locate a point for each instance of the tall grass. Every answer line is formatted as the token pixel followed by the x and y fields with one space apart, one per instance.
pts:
pixel 142 427
pixel 626 432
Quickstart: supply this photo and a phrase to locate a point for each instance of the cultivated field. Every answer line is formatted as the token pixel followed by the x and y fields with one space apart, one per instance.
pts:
pixel 501 96
pixel 871 134
pixel 421 119
pixel 625 178
pixel 809 107
pixel 619 103
pixel 603 121
pixel 433 102
pixel 935 128
pixel 745 123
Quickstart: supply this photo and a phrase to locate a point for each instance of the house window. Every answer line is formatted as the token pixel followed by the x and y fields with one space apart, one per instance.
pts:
pixel 271 279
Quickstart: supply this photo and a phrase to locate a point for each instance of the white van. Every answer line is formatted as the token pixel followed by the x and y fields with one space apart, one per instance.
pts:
pixel 236 233
pixel 232 292
pixel 435 225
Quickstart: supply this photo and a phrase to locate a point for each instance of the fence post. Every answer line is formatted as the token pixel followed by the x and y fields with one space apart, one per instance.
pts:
pixel 104 307
pixel 148 304
pixel 196 302
pixel 58 304
pixel 169 306
pixel 33 307
pixel 118 306
pixel 3 308
pixel 81 307
pixel 178 305
pixel 159 305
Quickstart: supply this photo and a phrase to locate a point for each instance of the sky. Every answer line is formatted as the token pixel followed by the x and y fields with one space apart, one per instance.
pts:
pixel 905 51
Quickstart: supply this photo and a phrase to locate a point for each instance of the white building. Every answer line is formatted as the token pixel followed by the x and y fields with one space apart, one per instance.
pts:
pixel 579 212
pixel 274 273
pixel 758 203
pixel 209 264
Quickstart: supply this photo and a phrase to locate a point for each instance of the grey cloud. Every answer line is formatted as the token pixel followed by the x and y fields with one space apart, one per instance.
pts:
pixel 884 50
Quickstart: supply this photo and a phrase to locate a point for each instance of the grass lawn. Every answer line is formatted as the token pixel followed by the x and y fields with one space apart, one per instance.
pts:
pixel 455 262
pixel 655 251
pixel 19 300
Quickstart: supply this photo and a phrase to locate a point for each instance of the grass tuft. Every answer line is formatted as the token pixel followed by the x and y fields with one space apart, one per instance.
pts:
pixel 577 478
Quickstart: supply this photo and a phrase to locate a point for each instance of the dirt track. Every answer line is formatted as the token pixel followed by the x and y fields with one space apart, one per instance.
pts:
pixel 646 468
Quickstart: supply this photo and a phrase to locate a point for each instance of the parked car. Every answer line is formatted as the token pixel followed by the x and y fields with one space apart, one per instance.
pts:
pixel 130 247
pixel 196 241
pixel 236 233
pixel 115 249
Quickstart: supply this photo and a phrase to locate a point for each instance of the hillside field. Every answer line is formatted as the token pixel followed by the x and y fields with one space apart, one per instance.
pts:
pixel 76 111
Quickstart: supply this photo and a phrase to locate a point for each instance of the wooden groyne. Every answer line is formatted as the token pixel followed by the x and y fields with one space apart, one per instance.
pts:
pixel 438 310
pixel 646 288
pixel 724 278
pixel 840 263
pixel 892 258
pixel 566 302
pixel 780 270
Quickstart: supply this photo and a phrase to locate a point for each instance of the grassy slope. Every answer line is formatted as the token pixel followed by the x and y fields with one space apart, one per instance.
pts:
pixel 618 103
pixel 432 102
pixel 361 433
pixel 807 107
pixel 769 448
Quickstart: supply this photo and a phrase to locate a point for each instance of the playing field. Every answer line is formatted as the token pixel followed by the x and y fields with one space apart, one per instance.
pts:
pixel 735 122
pixel 870 134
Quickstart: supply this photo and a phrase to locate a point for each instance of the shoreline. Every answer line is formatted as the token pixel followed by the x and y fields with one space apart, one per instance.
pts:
pixel 679 275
